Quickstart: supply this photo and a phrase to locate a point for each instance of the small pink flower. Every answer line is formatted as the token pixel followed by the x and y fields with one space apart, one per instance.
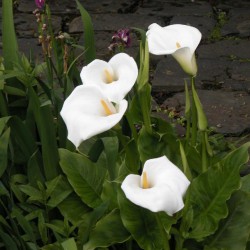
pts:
pixel 40 3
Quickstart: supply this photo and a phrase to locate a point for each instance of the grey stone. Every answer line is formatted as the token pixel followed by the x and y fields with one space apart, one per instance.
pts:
pixel 225 48
pixel 240 72
pixel 238 23
pixel 227 112
pixel 113 22
pixel 210 74
pixel 175 8
pixel 30 47
pixel 26 25
pixel 168 76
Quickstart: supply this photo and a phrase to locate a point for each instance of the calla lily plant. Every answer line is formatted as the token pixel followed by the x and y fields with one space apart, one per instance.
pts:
pixel 116 77
pixel 161 186
pixel 178 40
pixel 88 112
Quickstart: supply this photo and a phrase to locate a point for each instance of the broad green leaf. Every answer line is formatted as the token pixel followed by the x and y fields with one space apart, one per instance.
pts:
pixel 89 221
pixel 69 244
pixel 163 144
pixel 10 47
pixel 55 246
pixel 143 225
pixel 210 191
pixel 85 177
pixel 132 158
pixel 73 209
pixel 246 183
pixel 108 231
pixel 234 231
pixel 111 146
pixel 89 41
pixel 4 142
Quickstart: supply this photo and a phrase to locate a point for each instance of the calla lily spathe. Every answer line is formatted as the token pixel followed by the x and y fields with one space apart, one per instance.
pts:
pixel 116 77
pixel 161 186
pixel 178 40
pixel 88 112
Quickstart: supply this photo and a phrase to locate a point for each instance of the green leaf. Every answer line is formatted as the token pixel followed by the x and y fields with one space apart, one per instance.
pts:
pixel 57 190
pixel 142 224
pixel 46 128
pixel 104 235
pixel 202 119
pixel 42 227
pixel 3 122
pixel 164 144
pixel 111 146
pixel 73 209
pixel 4 142
pixel 132 158
pixel 10 47
pixel 210 191
pixel 234 231
pixel 22 137
pixel 9 243
pixel 69 244
pixel 34 169
pixel 143 74
pixel 25 225
pixel 246 183
pixel 33 193
pixel 85 177
pixel 89 41
pixel 89 221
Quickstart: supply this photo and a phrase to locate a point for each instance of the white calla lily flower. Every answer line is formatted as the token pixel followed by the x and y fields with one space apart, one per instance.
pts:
pixel 178 40
pixel 161 186
pixel 88 112
pixel 116 77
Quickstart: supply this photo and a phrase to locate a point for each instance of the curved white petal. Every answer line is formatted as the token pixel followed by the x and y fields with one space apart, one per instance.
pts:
pixel 179 40
pixel 167 187
pixel 85 116
pixel 122 69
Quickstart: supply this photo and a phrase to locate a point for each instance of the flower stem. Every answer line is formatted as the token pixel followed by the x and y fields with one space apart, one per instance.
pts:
pixel 164 236
pixel 194 116
pixel 187 111
pixel 204 152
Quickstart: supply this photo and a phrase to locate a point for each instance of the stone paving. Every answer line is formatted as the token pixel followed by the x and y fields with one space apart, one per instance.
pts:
pixel 223 55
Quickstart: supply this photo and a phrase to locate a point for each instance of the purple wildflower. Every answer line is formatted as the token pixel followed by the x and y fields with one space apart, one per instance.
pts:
pixel 120 39
pixel 40 3
pixel 123 36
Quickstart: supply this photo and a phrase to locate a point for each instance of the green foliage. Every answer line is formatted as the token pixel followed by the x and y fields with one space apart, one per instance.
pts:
pixel 54 197
pixel 10 47
pixel 85 177
pixel 89 40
